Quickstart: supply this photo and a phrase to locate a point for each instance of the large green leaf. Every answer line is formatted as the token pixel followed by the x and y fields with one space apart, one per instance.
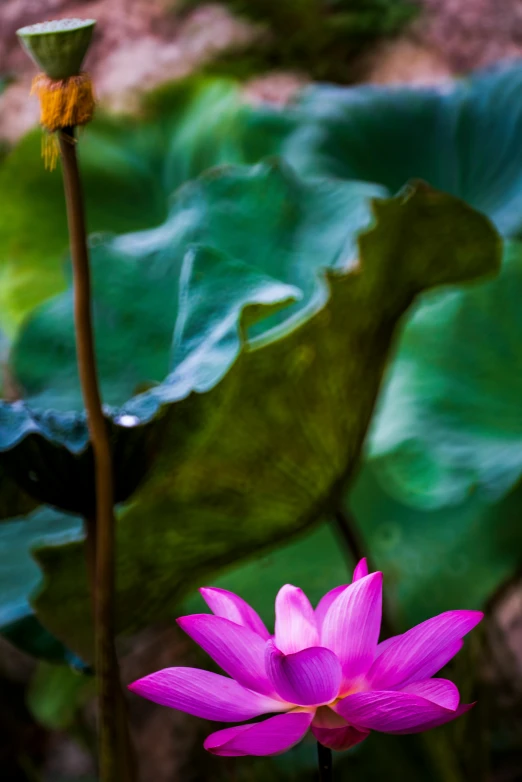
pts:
pixel 463 138
pixel 277 423
pixel 450 419
pixel 304 226
pixel 130 166
pixel 20 575
pixel 142 335
pixel 433 560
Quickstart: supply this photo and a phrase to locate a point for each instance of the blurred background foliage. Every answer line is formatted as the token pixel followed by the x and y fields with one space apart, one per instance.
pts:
pixel 321 37
pixel 437 499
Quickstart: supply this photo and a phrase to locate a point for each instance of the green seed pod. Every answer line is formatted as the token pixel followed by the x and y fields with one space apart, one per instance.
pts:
pixel 58 48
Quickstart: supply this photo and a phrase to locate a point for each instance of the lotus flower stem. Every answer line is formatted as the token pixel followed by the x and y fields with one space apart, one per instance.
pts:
pixel 324 756
pixel 66 101
pixel 111 759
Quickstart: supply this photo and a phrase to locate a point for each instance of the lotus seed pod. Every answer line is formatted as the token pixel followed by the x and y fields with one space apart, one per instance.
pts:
pixel 58 48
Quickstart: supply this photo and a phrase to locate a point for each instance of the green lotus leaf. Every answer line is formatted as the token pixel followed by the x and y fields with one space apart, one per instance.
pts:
pixel 140 273
pixel 448 423
pixel 274 373
pixel 303 226
pixel 4 352
pixel 450 420
pixel 13 500
pixel 433 560
pixel 461 137
pixel 130 166
pixel 20 575
pixel 436 560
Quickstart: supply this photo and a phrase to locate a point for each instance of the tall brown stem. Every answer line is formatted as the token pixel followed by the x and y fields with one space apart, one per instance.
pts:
pixel 127 758
pixel 111 763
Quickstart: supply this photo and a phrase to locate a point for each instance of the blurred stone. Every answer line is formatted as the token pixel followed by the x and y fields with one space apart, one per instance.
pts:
pixel 472 33
pixel 67 760
pixel 22 741
pixel 14 664
pixel 405 61
pixel 277 88
pixel 146 61
pixel 508 618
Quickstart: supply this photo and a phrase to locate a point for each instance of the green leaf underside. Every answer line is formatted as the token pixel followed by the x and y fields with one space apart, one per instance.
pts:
pixel 433 561
pixel 20 575
pixel 462 137
pixel 236 472
pixel 449 422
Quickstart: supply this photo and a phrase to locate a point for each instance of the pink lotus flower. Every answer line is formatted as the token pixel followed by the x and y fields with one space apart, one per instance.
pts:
pixel 322 669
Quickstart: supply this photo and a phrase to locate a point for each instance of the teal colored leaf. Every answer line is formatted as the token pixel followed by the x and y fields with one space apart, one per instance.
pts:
pixel 283 399
pixel 305 227
pixel 449 420
pixel 4 351
pixel 449 423
pixel 461 137
pixel 438 559
pixel 20 576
